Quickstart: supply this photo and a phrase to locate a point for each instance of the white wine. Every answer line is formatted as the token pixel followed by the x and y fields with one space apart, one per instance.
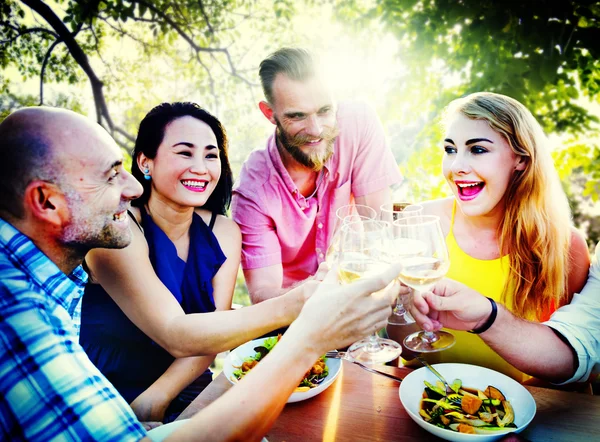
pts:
pixel 421 273
pixel 350 271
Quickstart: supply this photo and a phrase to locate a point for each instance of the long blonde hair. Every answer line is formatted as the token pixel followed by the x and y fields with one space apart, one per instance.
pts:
pixel 536 229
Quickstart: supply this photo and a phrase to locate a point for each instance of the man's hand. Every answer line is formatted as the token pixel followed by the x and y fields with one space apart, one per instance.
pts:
pixel 336 315
pixel 452 305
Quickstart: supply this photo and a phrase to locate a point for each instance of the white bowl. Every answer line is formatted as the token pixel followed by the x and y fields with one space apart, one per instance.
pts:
pixel 472 376
pixel 236 358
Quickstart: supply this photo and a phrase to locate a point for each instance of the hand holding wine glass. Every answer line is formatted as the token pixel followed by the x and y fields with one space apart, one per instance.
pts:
pixel 362 254
pixel 421 271
pixel 400 247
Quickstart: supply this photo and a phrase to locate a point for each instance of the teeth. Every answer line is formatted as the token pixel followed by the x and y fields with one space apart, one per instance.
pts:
pixel 468 185
pixel 199 185
pixel 120 216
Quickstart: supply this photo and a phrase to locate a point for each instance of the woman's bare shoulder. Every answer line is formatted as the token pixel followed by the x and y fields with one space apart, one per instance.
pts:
pixel 441 207
pixel 136 212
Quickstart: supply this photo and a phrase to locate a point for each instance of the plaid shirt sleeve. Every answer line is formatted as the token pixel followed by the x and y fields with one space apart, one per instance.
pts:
pixel 49 389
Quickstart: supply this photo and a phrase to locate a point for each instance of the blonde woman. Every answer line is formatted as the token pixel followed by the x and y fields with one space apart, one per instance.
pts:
pixel 508 225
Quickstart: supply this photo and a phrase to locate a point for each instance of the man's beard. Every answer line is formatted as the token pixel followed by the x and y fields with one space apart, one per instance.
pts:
pixel 90 229
pixel 314 160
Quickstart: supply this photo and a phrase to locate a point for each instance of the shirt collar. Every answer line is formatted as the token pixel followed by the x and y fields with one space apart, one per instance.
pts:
pixel 30 259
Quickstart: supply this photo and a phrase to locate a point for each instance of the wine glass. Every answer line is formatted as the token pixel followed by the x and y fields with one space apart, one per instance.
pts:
pixel 401 247
pixel 390 212
pixel 345 214
pixel 422 270
pixel 362 254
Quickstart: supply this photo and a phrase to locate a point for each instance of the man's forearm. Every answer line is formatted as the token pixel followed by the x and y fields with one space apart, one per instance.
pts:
pixel 247 411
pixel 531 347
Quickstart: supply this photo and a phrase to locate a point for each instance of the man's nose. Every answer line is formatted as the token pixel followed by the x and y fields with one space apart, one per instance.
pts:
pixel 314 126
pixel 132 189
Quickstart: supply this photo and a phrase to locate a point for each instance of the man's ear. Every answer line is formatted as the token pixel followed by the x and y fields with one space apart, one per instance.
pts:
pixel 46 202
pixel 267 111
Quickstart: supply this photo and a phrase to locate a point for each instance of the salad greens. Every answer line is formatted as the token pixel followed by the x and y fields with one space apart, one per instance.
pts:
pixel 313 377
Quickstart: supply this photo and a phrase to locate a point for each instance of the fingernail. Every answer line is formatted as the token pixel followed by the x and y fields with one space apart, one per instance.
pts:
pixel 427 327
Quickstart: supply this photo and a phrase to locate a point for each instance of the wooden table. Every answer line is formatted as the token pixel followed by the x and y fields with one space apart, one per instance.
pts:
pixel 360 406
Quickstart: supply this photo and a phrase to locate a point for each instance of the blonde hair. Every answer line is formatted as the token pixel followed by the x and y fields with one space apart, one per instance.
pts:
pixel 536 229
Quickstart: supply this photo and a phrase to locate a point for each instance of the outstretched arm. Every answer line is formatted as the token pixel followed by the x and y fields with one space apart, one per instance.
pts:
pixel 531 347
pixel 128 277
pixel 334 317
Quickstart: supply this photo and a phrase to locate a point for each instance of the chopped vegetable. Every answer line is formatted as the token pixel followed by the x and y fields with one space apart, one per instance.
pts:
pixel 494 393
pixel 470 404
pixel 509 414
pixel 468 410
pixel 313 377
pixel 464 428
pixel 455 385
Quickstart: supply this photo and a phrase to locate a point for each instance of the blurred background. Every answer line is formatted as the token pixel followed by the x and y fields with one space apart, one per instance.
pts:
pixel 116 59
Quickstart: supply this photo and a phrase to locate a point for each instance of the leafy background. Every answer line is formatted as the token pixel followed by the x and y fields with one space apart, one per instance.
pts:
pixel 116 59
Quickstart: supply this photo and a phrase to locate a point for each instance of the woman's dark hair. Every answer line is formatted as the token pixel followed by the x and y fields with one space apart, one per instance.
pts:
pixel 151 134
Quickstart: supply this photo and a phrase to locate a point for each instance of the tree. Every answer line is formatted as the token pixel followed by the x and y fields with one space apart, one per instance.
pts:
pixel 54 41
pixel 543 53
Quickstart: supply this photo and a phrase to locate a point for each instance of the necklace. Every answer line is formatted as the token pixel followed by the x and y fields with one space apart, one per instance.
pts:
pixel 319 179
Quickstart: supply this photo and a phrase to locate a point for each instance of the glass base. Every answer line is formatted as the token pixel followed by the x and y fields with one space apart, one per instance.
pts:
pixel 369 351
pixel 429 342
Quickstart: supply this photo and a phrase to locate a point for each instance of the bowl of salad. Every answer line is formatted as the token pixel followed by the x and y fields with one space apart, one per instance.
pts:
pixel 245 357
pixel 480 405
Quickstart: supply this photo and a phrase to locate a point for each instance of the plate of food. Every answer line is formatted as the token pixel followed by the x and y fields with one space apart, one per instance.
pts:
pixel 482 405
pixel 245 357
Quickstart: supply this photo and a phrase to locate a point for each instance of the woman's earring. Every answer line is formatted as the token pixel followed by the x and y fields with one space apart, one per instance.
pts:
pixel 147 174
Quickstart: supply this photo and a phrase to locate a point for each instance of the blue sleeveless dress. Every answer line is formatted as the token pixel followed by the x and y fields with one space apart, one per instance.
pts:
pixel 128 358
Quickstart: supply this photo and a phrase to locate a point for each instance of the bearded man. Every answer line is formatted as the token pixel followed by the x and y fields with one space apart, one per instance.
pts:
pixel 321 157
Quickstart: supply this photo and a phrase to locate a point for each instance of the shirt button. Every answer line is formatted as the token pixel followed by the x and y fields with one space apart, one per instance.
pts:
pixel 320 225
pixel 321 255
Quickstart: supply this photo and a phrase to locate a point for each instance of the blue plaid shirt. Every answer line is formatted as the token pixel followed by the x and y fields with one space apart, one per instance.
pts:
pixel 49 389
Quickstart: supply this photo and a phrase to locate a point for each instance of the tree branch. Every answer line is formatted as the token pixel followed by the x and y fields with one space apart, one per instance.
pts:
pixel 78 55
pixel 193 44
pixel 203 12
pixel 21 32
pixel 43 70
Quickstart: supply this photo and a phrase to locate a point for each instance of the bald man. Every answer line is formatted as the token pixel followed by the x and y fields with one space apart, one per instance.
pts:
pixel 63 192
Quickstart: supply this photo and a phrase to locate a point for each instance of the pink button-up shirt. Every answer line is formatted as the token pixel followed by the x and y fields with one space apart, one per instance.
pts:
pixel 279 225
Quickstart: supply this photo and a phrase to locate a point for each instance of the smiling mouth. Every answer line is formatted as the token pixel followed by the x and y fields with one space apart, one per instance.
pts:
pixel 120 217
pixel 469 191
pixel 314 142
pixel 195 186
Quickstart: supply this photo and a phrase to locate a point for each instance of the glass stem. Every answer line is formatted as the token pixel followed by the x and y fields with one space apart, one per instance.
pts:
pixel 373 345
pixel 429 337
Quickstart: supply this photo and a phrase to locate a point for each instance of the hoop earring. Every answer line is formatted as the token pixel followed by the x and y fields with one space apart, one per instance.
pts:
pixel 147 174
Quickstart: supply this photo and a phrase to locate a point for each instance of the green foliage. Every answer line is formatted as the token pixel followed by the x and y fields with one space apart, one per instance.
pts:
pixel 541 52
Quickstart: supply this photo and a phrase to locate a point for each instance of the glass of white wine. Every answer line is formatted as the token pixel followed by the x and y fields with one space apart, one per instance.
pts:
pixel 362 254
pixel 343 215
pixel 401 247
pixel 422 270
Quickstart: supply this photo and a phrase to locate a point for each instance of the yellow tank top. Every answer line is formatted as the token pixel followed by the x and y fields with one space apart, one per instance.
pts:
pixel 488 278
